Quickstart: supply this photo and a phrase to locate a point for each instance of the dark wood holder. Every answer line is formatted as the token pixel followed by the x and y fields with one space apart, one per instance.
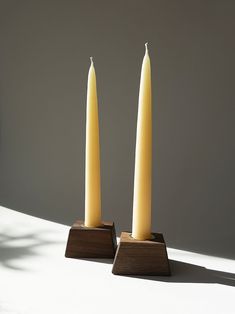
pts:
pixel 85 242
pixel 148 257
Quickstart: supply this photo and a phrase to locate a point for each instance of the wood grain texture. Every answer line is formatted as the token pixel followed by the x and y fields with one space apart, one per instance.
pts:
pixel 134 257
pixel 84 242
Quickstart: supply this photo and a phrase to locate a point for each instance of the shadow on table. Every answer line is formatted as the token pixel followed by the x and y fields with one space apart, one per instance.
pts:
pixel 98 260
pixel 15 248
pixel 189 273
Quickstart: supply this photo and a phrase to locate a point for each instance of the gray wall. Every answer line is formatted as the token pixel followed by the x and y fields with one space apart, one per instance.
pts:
pixel 44 60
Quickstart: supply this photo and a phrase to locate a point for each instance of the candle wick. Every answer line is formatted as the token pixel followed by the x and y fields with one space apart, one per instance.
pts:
pixel 91 58
pixel 146 47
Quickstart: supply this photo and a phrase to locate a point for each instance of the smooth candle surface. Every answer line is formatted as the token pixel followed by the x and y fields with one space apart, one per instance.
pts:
pixel 141 227
pixel 92 172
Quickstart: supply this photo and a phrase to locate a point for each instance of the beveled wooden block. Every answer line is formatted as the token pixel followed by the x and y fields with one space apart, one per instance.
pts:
pixel 84 242
pixel 148 257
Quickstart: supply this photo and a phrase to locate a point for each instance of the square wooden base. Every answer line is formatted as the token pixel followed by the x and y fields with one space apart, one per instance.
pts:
pixel 148 257
pixel 84 242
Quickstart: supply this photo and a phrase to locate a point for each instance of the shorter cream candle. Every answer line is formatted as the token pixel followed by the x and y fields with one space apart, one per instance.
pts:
pixel 92 180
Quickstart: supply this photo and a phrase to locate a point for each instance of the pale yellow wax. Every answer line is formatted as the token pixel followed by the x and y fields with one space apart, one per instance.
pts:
pixel 141 227
pixel 92 172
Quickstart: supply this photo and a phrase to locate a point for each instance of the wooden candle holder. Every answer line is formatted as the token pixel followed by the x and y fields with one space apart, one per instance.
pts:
pixel 85 242
pixel 148 257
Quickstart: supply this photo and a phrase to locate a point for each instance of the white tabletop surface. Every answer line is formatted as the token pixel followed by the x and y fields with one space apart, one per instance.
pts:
pixel 35 277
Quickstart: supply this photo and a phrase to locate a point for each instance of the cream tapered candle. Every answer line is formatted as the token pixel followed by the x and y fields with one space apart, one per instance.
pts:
pixel 92 180
pixel 141 228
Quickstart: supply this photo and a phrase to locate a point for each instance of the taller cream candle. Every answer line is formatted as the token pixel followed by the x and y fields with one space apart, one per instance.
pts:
pixel 141 227
pixel 92 172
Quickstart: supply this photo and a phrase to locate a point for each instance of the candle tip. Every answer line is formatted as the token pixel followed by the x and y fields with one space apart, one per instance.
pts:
pixel 146 47
pixel 91 58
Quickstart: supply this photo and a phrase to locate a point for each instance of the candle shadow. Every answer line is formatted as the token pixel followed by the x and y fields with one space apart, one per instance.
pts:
pixel 190 273
pixel 98 260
